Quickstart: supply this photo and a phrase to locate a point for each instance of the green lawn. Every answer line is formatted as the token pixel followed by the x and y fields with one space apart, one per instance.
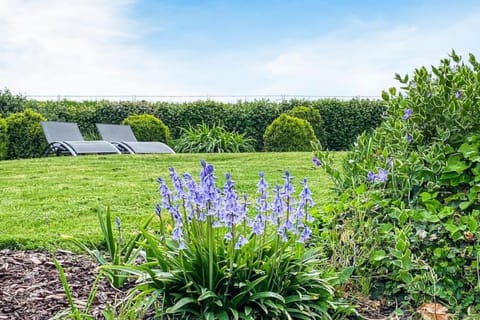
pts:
pixel 42 199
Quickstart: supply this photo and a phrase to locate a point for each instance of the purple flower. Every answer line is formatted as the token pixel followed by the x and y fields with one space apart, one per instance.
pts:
pixel 117 221
pixel 158 210
pixel 228 236
pixel 306 234
pixel 407 114
pixel 306 195
pixel 316 162
pixel 458 94
pixel 240 242
pixel 370 176
pixel 409 138
pixel 382 175
pixel 177 233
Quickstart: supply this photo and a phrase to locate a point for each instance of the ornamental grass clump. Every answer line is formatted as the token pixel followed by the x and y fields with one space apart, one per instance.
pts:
pixel 220 255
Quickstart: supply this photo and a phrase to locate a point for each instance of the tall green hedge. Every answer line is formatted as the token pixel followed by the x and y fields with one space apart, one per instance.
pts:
pixel 343 120
pixel 3 139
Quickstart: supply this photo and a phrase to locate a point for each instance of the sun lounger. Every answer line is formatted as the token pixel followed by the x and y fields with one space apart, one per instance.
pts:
pixel 123 138
pixel 65 138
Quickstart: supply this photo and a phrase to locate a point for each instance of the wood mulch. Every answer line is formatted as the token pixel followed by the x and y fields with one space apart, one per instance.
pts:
pixel 30 286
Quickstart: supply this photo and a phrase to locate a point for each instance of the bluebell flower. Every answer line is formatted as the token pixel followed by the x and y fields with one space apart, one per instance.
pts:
pixel 258 225
pixel 228 236
pixel 177 183
pixel 158 210
pixel 117 221
pixel 306 234
pixel 371 176
pixel 407 114
pixel 409 138
pixel 241 242
pixel 458 94
pixel 177 233
pixel 316 162
pixel 382 175
pixel 306 195
pixel 181 245
pixel 287 185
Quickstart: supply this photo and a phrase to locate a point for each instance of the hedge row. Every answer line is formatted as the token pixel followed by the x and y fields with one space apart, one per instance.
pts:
pixel 343 120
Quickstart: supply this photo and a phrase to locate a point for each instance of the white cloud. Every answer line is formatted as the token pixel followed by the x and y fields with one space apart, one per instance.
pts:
pixel 359 61
pixel 92 47
pixel 75 47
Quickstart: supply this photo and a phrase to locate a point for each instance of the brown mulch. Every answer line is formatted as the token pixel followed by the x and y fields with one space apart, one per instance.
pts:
pixel 30 286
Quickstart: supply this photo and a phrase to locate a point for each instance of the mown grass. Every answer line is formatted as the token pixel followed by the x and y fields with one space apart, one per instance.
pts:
pixel 42 199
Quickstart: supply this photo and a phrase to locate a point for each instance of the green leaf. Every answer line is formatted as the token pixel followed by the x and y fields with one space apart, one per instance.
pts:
pixel 455 164
pixel 206 294
pixel 378 255
pixel 385 96
pixel 267 295
pixel 180 304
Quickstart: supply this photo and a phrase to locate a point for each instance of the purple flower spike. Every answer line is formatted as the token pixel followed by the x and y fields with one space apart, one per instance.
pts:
pixel 458 94
pixel 407 114
pixel 316 162
pixel 382 175
pixel 117 221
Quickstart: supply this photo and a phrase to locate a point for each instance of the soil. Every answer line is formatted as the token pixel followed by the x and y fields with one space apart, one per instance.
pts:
pixel 30 286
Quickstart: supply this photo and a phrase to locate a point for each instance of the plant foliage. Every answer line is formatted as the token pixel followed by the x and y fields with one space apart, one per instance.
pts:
pixel 3 139
pixel 25 135
pixel 148 128
pixel 314 118
pixel 408 208
pixel 215 139
pixel 287 133
pixel 211 259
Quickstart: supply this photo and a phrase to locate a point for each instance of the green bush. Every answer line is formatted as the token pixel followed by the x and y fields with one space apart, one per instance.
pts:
pixel 314 118
pixel 408 212
pixel 25 135
pixel 10 103
pixel 213 139
pixel 148 128
pixel 3 139
pixel 288 133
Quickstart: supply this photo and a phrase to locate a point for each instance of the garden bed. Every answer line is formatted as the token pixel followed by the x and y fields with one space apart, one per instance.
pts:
pixel 31 287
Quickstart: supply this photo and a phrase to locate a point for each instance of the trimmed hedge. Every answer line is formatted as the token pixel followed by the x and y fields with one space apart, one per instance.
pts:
pixel 25 135
pixel 343 120
pixel 148 128
pixel 287 133
pixel 313 116
pixel 3 139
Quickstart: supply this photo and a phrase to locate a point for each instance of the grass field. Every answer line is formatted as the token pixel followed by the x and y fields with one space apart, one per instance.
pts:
pixel 42 199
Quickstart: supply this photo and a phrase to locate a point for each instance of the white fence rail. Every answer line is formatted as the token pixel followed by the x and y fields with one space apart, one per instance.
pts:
pixel 173 98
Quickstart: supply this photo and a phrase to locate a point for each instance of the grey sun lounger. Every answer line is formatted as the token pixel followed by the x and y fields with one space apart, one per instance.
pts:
pixel 123 138
pixel 65 138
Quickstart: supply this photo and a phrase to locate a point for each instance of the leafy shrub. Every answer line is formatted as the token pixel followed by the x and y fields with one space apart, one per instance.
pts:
pixel 148 128
pixel 25 135
pixel 212 139
pixel 209 259
pixel 314 118
pixel 288 133
pixel 408 208
pixel 3 139
pixel 10 103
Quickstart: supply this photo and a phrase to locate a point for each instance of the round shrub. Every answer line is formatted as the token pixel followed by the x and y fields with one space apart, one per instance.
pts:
pixel 3 139
pixel 314 118
pixel 25 135
pixel 148 128
pixel 287 133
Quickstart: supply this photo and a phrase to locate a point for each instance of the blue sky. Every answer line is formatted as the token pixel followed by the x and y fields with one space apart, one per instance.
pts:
pixel 296 47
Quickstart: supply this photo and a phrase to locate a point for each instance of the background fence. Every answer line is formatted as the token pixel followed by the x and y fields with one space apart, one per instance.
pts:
pixel 187 98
